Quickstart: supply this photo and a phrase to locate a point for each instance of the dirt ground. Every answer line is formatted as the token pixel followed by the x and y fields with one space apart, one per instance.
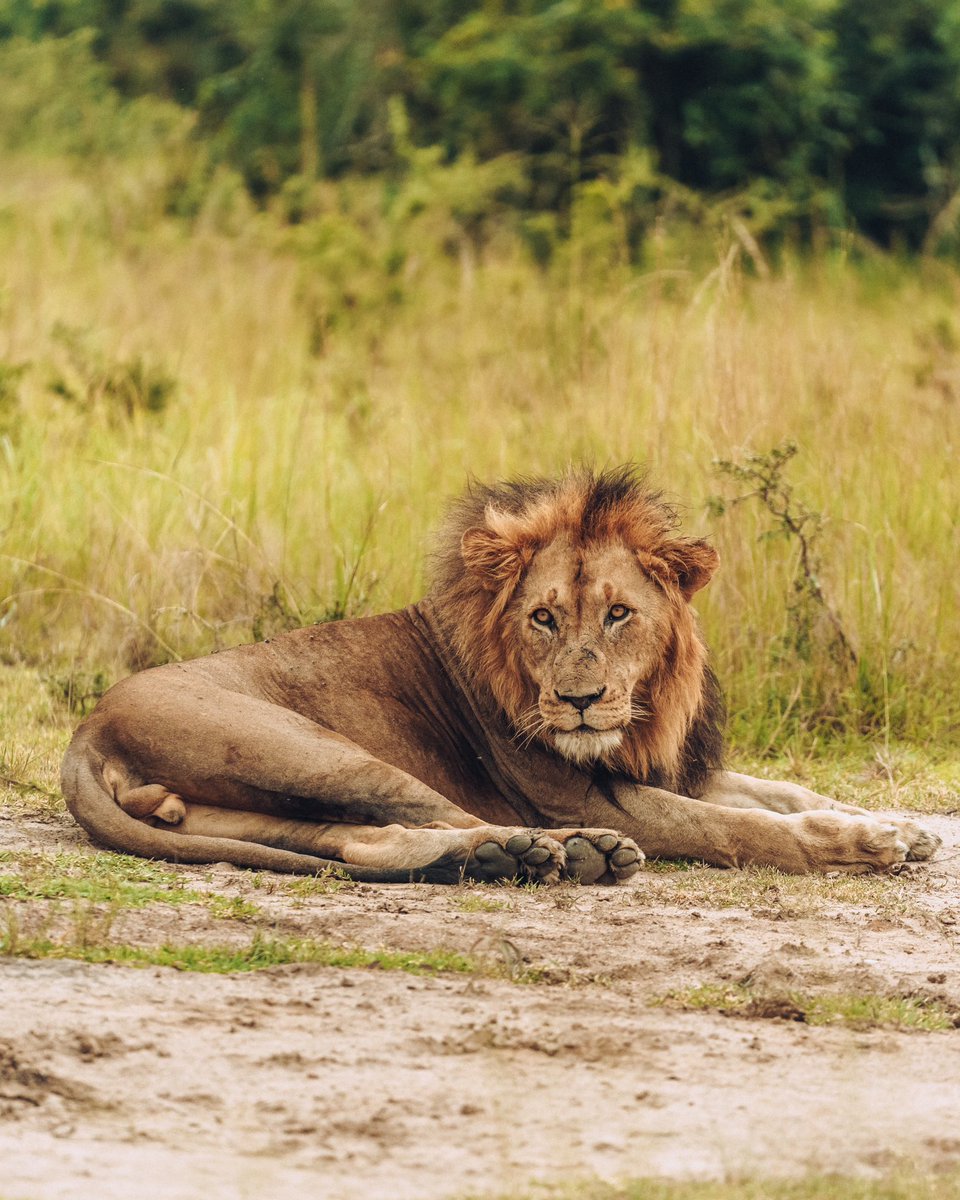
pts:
pixel 328 1082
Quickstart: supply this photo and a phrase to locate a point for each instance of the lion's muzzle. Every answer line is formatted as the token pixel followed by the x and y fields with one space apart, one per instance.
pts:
pixel 581 702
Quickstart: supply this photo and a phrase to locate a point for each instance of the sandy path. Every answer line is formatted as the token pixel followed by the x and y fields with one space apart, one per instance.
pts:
pixel 305 1080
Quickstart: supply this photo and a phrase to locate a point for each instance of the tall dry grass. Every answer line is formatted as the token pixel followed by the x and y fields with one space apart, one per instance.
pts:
pixel 331 384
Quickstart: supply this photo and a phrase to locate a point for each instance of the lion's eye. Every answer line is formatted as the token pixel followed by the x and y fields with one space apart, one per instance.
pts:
pixel 542 617
pixel 618 612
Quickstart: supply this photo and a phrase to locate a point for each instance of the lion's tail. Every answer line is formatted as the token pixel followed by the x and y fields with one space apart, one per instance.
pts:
pixel 93 806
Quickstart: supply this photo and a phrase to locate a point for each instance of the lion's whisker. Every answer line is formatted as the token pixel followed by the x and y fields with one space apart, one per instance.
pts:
pixel 529 719
pixel 529 725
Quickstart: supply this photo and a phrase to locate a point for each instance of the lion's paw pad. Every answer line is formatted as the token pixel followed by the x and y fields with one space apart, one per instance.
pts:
pixel 529 855
pixel 601 857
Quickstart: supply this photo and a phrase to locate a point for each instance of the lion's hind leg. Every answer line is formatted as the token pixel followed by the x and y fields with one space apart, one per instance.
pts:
pixel 434 853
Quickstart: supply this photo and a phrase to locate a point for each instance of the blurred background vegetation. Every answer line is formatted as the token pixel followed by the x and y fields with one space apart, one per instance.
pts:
pixel 808 115
pixel 277 275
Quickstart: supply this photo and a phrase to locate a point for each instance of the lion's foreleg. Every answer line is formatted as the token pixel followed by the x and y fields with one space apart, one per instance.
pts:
pixel 733 790
pixel 670 826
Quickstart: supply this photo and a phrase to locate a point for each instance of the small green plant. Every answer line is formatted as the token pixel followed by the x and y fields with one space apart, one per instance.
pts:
pixel 79 690
pixel 763 477
pixel 91 924
pixel 275 614
pixel 816 681
pixel 11 934
pixel 475 902
pixel 326 883
pixel 232 908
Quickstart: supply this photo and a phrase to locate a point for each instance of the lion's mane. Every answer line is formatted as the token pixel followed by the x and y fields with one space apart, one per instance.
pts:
pixel 679 739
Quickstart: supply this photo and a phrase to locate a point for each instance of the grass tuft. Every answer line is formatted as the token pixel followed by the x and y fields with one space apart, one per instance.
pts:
pixel 768 892
pixel 328 882
pixel 118 880
pixel 472 902
pixel 854 1010
pixel 261 953
pixel 903 1185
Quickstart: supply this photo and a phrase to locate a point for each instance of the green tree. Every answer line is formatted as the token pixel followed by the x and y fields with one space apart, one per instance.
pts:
pixel 899 66
pixel 302 96
pixel 846 107
pixel 723 91
pixel 159 47
pixel 548 81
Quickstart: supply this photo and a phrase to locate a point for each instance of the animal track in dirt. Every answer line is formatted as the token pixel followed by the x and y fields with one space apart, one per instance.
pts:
pixel 23 1082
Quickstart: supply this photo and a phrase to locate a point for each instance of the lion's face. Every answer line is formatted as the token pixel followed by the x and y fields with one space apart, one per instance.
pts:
pixel 569 603
pixel 592 626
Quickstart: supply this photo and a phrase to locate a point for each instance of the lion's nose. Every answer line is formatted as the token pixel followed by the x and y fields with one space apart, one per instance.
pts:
pixel 582 703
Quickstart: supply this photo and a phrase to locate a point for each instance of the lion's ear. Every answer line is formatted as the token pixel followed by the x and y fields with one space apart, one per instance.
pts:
pixel 694 563
pixel 686 562
pixel 494 559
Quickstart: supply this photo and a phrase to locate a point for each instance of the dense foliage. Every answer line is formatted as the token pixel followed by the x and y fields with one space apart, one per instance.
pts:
pixel 805 115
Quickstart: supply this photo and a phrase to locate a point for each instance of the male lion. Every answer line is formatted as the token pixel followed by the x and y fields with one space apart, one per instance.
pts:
pixel 545 712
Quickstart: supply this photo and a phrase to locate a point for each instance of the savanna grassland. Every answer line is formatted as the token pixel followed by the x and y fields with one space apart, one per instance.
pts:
pixel 215 430
pixel 212 429
pixel 277 278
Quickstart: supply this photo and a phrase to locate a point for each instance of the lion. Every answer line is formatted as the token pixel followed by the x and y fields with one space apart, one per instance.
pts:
pixel 547 712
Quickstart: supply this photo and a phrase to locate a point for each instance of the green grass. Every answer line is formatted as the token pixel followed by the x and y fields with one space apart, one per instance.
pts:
pixel 256 496
pixel 905 1185
pixel 475 902
pixel 260 953
pixel 108 878
pixel 327 883
pixel 857 1011
pixel 921 779
pixel 34 731
pixel 97 878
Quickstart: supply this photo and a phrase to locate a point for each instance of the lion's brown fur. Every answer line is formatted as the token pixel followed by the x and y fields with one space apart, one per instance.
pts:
pixel 498 530
pixel 395 744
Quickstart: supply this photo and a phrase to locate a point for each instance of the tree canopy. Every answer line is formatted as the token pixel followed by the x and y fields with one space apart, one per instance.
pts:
pixel 848 109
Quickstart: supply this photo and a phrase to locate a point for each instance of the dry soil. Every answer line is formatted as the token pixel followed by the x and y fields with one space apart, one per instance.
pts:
pixel 304 1080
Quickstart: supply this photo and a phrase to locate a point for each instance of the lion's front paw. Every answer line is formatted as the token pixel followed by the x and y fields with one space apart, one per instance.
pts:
pixel 921 842
pixel 854 845
pixel 523 854
pixel 601 856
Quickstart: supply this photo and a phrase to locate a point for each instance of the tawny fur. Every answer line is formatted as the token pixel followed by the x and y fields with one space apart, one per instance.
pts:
pixel 501 528
pixel 450 738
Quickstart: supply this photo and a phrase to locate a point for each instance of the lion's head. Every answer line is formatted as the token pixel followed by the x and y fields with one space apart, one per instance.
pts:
pixel 568 601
